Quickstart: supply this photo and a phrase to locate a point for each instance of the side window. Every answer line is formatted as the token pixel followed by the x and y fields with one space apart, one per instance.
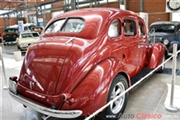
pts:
pixel 141 29
pixel 114 29
pixel 129 27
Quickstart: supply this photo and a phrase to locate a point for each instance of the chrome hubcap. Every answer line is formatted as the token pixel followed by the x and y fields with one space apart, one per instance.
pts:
pixel 117 105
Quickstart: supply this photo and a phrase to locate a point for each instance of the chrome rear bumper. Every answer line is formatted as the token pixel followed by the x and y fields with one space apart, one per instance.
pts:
pixel 47 111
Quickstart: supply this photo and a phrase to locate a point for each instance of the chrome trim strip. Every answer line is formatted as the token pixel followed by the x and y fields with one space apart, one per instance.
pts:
pixel 47 111
pixel 71 39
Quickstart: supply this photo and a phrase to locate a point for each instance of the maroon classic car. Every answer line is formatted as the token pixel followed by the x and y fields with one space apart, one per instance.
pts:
pixel 84 59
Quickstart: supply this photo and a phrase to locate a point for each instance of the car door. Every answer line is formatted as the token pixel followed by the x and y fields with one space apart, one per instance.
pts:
pixel 142 38
pixel 116 43
pixel 130 36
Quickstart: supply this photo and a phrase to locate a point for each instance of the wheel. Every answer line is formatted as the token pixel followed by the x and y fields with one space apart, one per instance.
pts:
pixel 18 47
pixel 161 69
pixel 118 86
pixel 5 44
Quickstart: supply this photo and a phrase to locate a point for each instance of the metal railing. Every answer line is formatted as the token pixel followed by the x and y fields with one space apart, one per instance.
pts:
pixel 171 107
pixel 3 69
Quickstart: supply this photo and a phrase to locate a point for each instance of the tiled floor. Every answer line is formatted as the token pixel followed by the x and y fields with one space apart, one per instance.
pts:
pixel 149 99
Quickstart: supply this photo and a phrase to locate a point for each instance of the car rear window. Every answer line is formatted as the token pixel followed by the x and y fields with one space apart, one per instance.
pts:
pixel 11 30
pixel 25 35
pixel 55 26
pixel 66 25
pixel 73 25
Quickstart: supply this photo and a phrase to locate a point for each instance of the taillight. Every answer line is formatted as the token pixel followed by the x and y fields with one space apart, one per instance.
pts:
pixel 13 78
pixel 67 97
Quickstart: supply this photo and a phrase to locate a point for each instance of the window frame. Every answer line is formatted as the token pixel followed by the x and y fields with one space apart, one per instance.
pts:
pixel 141 28
pixel 128 23
pixel 118 30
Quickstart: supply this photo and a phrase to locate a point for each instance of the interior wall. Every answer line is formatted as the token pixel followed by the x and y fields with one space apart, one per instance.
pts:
pixel 155 9
pixel 154 6
pixel 175 16
pixel 12 21
pixel 133 5
pixel 158 17
pixel 113 5
pixel 58 4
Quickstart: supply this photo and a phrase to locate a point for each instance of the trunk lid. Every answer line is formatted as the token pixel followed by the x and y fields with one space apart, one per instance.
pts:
pixel 43 63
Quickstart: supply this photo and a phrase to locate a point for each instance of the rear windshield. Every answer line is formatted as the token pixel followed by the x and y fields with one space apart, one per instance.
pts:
pixel 169 28
pixel 11 30
pixel 25 35
pixel 72 25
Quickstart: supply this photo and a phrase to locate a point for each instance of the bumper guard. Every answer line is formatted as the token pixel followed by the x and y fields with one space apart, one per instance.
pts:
pixel 47 111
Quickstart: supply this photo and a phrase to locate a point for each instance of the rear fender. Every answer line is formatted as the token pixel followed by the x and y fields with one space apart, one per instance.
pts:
pixel 156 53
pixel 92 92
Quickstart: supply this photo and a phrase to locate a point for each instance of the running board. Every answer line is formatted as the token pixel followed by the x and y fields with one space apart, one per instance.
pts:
pixel 140 75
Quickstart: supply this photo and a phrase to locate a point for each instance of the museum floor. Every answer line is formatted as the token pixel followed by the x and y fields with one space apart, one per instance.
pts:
pixel 149 98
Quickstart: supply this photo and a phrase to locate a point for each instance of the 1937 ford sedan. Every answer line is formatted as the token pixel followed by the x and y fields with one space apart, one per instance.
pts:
pixel 84 59
pixel 166 32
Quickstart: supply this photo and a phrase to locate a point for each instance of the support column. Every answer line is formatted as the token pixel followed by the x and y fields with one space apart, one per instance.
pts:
pixel 73 4
pixel 141 5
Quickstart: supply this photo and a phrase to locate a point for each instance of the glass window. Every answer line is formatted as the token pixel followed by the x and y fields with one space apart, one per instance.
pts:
pixel 129 27
pixel 35 34
pixel 141 28
pixel 55 26
pixel 25 35
pixel 169 28
pixel 73 25
pixel 114 29
pixel 11 30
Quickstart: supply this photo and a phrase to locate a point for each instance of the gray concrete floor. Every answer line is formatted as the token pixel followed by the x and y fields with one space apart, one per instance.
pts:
pixel 149 98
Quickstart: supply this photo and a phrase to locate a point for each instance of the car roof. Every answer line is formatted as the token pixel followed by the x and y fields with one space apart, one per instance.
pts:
pixel 165 22
pixel 93 16
pixel 12 27
pixel 99 11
